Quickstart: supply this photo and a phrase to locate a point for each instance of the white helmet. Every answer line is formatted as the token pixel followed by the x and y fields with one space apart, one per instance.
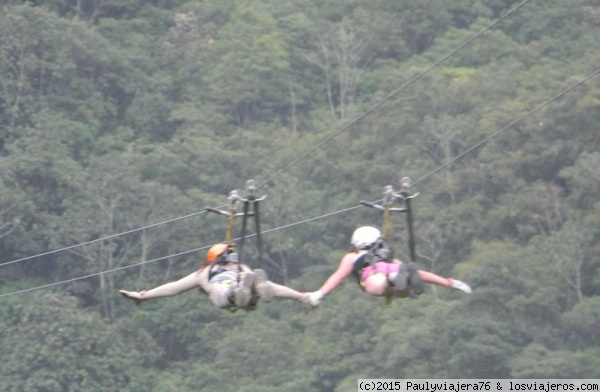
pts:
pixel 365 236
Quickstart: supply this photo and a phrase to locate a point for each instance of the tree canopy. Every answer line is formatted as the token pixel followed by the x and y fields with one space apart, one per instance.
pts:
pixel 121 121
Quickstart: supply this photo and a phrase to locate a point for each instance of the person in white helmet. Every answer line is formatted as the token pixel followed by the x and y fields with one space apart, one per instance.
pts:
pixel 228 283
pixel 378 273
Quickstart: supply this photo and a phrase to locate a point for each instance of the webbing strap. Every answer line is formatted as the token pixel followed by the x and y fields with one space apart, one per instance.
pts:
pixel 411 236
pixel 251 208
pixel 256 215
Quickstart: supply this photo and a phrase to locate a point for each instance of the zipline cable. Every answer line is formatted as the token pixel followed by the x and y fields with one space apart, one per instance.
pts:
pixel 512 124
pixel 390 96
pixel 169 256
pixel 101 273
pixel 455 159
pixel 306 154
pixel 469 150
pixel 450 162
pixel 102 239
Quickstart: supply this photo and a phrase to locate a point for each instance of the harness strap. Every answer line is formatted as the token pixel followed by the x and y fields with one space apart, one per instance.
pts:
pixel 251 209
pixel 212 273
pixel 379 252
pixel 388 200
pixel 229 257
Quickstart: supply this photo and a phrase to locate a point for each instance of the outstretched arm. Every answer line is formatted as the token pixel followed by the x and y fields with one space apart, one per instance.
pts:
pixel 343 271
pixel 166 290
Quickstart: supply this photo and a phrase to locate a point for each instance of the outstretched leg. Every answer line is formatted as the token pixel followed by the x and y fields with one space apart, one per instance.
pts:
pixel 242 294
pixel 268 290
pixel 405 279
pixel 432 278
pixel 401 279
pixel 416 282
pixel 264 289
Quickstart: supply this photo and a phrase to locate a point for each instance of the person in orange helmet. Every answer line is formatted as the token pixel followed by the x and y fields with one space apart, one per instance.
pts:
pixel 228 283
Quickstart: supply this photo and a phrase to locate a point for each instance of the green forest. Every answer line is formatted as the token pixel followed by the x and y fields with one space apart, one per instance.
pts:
pixel 121 121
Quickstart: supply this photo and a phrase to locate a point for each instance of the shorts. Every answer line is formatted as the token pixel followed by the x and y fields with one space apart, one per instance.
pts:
pixel 221 290
pixel 381 267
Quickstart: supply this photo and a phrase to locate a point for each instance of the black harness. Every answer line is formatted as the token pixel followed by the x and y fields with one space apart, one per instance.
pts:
pixel 408 272
pixel 378 252
pixel 218 266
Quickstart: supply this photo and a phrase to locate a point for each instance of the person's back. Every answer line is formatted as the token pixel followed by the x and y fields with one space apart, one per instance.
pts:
pixel 228 283
pixel 378 273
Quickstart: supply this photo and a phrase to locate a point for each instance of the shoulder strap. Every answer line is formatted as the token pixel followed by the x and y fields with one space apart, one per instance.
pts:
pixel 382 252
pixel 361 262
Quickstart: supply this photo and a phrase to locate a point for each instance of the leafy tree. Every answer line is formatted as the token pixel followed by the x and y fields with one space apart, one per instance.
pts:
pixel 77 350
pixel 340 55
pixel 252 59
pixel 566 249
pixel 580 322
pixel 537 361
pixel 115 115
pixel 583 180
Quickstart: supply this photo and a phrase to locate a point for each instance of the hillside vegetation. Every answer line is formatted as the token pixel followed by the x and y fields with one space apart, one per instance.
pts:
pixel 118 115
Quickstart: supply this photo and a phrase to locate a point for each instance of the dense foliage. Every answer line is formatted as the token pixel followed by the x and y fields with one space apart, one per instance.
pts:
pixel 118 115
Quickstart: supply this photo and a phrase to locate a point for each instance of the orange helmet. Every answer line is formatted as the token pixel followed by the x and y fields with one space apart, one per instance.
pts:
pixel 215 252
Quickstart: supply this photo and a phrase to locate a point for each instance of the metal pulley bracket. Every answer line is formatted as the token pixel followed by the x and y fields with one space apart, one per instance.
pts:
pixel 250 209
pixel 389 197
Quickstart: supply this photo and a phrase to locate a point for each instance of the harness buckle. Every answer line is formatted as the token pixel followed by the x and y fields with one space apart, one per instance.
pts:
pixel 232 257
